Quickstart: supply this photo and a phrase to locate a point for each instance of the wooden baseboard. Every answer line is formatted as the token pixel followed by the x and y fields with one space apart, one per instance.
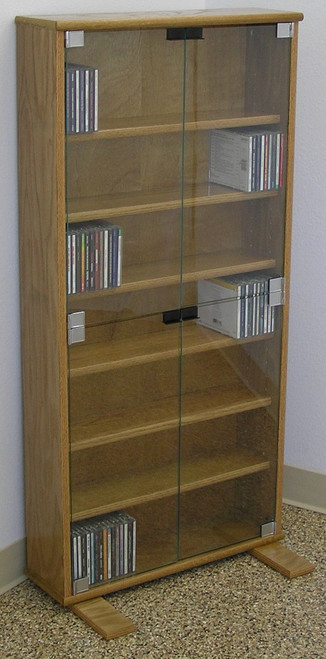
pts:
pixel 305 489
pixel 12 565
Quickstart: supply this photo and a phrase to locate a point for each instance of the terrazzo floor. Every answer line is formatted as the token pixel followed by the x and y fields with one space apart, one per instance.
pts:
pixel 235 608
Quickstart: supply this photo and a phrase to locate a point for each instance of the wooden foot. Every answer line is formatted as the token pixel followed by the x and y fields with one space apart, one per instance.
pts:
pixel 283 560
pixel 104 618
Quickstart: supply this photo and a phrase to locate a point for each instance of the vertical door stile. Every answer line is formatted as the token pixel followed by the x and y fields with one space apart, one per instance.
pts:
pixel 62 291
pixel 182 192
pixel 287 265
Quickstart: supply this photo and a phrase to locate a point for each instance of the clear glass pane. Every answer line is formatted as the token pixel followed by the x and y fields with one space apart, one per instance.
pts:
pixel 124 178
pixel 154 199
pixel 236 116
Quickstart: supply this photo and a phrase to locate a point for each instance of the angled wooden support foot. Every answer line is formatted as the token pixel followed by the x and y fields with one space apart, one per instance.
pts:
pixel 283 560
pixel 104 618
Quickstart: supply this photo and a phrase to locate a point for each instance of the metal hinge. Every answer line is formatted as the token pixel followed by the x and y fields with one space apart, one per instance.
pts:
pixel 80 585
pixel 269 528
pixel 74 38
pixel 285 30
pixel 276 291
pixel 76 327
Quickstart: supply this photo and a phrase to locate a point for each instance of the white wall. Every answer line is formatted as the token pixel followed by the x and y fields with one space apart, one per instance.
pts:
pixel 306 411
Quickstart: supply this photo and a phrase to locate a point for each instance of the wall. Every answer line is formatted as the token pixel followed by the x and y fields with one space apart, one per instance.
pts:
pixel 305 444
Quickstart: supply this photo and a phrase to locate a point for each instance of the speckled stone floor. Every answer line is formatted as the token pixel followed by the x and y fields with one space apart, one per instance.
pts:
pixel 236 608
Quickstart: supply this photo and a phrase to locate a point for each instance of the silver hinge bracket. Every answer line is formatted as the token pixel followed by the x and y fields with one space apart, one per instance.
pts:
pixel 276 291
pixel 80 585
pixel 76 327
pixel 285 30
pixel 269 528
pixel 74 38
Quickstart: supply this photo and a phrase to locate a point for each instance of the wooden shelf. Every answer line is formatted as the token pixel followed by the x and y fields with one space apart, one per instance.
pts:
pixel 99 357
pixel 141 126
pixel 118 205
pixel 162 481
pixel 163 414
pixel 167 273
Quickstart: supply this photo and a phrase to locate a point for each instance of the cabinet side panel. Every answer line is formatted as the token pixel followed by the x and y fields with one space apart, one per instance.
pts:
pixel 42 276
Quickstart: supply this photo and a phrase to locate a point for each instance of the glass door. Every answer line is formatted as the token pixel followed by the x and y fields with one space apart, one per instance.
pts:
pixel 236 117
pixel 124 99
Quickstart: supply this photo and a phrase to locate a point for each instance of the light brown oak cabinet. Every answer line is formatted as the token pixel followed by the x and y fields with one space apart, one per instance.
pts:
pixel 151 412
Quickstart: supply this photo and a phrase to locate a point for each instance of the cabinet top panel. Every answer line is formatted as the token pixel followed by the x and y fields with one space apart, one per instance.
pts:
pixel 161 19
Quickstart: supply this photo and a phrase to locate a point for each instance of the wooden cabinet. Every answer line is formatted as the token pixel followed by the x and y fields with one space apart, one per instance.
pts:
pixel 128 239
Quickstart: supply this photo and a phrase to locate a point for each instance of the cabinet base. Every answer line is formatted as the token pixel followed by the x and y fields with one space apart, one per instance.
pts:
pixel 109 623
pixel 104 618
pixel 283 560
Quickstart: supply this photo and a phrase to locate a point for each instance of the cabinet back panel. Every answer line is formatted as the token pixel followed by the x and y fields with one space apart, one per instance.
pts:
pixel 157 237
pixel 258 367
pixel 157 537
pixel 97 395
pixel 267 72
pixel 215 517
pixel 136 164
pixel 141 73
pixel 120 459
pixel 258 431
pixel 117 57
pixel 125 458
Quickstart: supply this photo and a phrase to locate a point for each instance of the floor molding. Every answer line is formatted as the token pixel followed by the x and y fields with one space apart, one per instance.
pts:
pixel 12 565
pixel 305 489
